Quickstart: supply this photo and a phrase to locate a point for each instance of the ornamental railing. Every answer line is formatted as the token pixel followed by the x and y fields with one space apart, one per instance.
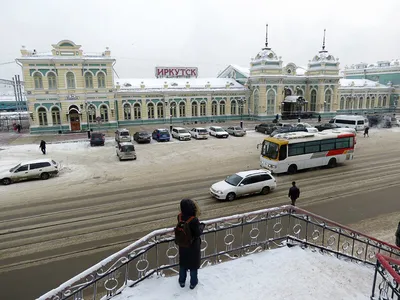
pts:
pixel 223 239
pixel 386 283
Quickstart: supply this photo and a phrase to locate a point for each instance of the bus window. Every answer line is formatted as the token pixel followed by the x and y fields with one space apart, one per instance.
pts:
pixel 270 150
pixel 296 149
pixel 283 152
pixel 342 143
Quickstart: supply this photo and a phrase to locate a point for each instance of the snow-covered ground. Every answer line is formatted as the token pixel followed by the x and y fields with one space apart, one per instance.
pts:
pixel 285 273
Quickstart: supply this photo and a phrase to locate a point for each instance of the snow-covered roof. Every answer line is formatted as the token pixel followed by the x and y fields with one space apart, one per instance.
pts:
pixel 245 71
pixel 49 55
pixel 360 83
pixel 301 71
pixel 178 84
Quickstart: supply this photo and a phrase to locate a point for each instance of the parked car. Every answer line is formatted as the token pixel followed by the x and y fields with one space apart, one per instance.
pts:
pixel 142 137
pixel 199 133
pixel 181 134
pixel 126 150
pixel 395 121
pixel 266 128
pixel 288 129
pixel 236 131
pixel 218 132
pixel 307 126
pixel 161 135
pixel 244 183
pixel 41 168
pixel 122 135
pixel 97 139
pixel 325 126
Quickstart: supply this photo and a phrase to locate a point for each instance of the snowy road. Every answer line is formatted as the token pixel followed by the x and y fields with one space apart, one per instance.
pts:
pixel 51 230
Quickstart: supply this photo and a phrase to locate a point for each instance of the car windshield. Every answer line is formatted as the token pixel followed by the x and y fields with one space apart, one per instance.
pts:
pixel 270 150
pixel 16 167
pixel 124 133
pixel 182 131
pixel 128 148
pixel 96 135
pixel 163 131
pixel 218 129
pixel 233 179
pixel 143 133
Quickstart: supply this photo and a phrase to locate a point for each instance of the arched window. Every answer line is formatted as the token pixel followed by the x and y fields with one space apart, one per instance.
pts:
pixel 101 80
pixel 367 105
pixel 233 107
pixel 384 101
pixel 160 110
pixel 55 115
pixel 137 111
pixel 52 80
pixel 92 113
pixel 361 102
pixel 379 101
pixel 373 102
pixel 127 111
pixel 37 78
pixel 203 109
pixel 195 111
pixel 256 97
pixel 70 80
pixel 299 92
pixel 104 113
pixel 172 110
pixel 88 80
pixel 328 100
pixel 214 106
pixel 222 108
pixel 271 102
pixel 313 102
pixel 182 109
pixel 341 103
pixel 355 103
pixel 150 110
pixel 42 113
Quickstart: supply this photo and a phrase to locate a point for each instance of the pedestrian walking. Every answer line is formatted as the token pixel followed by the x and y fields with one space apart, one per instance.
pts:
pixel 294 193
pixel 19 128
pixel 319 118
pixel 366 129
pixel 42 146
pixel 187 237
pixel 398 235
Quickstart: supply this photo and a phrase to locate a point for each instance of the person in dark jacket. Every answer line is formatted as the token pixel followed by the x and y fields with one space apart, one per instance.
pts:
pixel 366 129
pixel 294 193
pixel 398 235
pixel 42 146
pixel 190 257
pixel 319 118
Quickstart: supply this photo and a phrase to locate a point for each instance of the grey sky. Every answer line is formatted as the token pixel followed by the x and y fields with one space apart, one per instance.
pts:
pixel 208 34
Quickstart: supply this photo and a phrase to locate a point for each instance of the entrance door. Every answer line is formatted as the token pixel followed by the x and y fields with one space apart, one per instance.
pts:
pixel 75 122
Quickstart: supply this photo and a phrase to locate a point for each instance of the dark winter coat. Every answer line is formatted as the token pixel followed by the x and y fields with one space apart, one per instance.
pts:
pixel 294 193
pixel 398 235
pixel 42 145
pixel 190 257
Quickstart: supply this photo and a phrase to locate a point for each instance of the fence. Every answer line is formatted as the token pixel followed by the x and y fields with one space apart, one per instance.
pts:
pixel 388 269
pixel 223 239
pixel 7 122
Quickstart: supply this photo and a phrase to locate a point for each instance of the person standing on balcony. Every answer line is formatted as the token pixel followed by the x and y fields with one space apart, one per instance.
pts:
pixel 294 193
pixel 187 237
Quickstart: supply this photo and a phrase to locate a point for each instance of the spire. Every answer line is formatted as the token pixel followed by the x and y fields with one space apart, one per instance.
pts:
pixel 323 42
pixel 266 39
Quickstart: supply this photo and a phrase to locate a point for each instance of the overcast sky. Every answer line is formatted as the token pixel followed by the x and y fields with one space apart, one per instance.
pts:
pixel 208 34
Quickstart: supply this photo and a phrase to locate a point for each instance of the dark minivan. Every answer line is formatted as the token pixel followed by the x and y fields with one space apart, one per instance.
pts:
pixel 97 139
pixel 142 137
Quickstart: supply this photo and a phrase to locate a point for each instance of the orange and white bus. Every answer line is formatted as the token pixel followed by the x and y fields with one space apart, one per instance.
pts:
pixel 302 150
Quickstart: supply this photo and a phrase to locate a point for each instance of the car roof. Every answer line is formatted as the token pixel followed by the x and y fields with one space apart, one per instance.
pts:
pixel 252 172
pixel 162 129
pixel 126 144
pixel 200 128
pixel 179 128
pixel 37 161
pixel 216 127
pixel 122 129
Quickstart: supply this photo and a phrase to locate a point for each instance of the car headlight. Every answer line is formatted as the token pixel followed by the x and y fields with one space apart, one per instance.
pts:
pixel 272 166
pixel 220 192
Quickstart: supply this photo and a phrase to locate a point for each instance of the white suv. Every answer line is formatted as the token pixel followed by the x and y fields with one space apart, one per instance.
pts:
pixel 199 133
pixel 181 133
pixel 244 183
pixel 41 168
pixel 218 132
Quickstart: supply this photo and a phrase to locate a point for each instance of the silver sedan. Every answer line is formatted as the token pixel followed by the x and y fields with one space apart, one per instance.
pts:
pixel 236 131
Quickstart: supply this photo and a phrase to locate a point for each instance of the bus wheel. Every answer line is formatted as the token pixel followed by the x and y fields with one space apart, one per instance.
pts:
pixel 292 169
pixel 332 163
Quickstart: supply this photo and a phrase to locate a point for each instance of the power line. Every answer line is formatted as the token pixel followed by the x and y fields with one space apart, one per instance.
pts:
pixel 7 63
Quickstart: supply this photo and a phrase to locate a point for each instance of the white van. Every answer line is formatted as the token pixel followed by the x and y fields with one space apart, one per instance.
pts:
pixel 122 135
pixel 351 121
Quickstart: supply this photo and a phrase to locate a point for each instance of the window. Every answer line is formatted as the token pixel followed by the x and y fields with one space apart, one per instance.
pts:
pixel 202 109
pixel 55 115
pixel 283 152
pixel 233 107
pixel 104 113
pixel 367 105
pixel 52 80
pixel 379 101
pixel 160 110
pixel 361 102
pixel 271 102
pixel 39 165
pixel 342 143
pixel 341 103
pixel 373 102
pixel 42 113
pixel 150 111
pixel 127 111
pixel 172 110
pixel 136 111
pixel 22 168
pixel 328 99
pixel 327 145
pixel 92 113
pixel 313 106
pixel 182 109
pixel 222 108
pixel 101 80
pixel 296 149
pixel 311 147
pixel 37 78
pixel 350 122
pixel 265 177
pixel 214 108
pixel 249 180
pixel 70 80
pixel 194 109
pixel 88 80
pixel 384 102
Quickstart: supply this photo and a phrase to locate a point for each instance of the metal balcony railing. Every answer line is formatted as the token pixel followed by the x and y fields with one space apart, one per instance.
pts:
pixel 223 239
pixel 388 270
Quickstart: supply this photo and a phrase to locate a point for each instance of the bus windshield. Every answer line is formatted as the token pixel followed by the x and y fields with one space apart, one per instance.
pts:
pixel 270 150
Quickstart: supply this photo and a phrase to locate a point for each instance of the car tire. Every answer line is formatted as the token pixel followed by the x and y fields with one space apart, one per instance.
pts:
pixel 6 181
pixel 265 190
pixel 292 169
pixel 44 176
pixel 332 163
pixel 230 197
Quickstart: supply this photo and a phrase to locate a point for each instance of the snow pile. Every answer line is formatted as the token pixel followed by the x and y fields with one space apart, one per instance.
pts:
pixel 285 273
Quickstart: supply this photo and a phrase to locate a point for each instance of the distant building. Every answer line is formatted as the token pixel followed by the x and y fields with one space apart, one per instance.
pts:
pixel 8 101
